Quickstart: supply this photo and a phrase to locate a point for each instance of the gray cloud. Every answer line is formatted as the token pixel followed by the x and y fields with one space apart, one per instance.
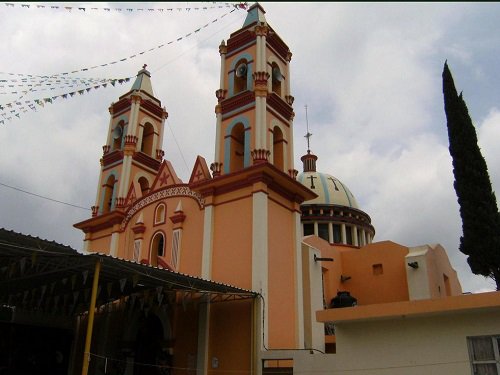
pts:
pixel 369 73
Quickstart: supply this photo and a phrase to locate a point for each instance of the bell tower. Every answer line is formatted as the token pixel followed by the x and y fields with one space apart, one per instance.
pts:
pixel 251 233
pixel 254 110
pixel 131 157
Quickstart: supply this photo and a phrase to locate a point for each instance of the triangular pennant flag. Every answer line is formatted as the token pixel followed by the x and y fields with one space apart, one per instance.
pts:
pixel 159 293
pixel 122 284
pixel 22 265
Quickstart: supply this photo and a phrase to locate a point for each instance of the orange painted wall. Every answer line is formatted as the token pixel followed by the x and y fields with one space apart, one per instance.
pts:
pixel 192 233
pixel 231 337
pixel 101 242
pixel 331 270
pixel 232 245
pixel 186 337
pixel 369 288
pixel 281 282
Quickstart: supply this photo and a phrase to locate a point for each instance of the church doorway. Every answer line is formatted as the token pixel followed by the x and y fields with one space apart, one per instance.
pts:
pixel 150 359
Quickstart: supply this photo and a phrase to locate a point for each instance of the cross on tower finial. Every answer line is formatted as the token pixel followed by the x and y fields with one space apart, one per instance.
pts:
pixel 308 135
pixel 144 66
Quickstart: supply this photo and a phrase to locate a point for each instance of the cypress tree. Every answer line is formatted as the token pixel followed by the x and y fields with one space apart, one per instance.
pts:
pixel 480 239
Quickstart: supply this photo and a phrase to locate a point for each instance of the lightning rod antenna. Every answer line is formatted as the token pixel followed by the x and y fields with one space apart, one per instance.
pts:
pixel 308 135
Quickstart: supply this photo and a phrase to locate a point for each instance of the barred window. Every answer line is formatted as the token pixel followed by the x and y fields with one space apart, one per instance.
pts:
pixel 484 354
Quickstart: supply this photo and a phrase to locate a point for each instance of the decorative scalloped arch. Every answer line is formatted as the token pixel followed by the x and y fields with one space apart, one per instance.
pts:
pixel 173 191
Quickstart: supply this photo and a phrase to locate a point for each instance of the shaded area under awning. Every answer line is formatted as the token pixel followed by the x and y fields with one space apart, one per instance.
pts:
pixel 41 275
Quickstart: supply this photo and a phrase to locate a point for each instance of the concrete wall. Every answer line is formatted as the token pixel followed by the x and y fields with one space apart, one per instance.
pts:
pixel 435 344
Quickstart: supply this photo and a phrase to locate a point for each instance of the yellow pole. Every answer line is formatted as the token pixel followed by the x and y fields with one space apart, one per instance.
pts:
pixel 90 323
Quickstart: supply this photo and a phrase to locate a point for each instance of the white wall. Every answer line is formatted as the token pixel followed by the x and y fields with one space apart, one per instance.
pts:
pixel 406 346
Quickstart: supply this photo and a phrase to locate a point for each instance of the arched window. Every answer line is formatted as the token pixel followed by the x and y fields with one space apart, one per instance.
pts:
pixel 144 184
pixel 108 191
pixel 237 147
pixel 276 79
pixel 278 148
pixel 117 135
pixel 147 139
pixel 240 76
pixel 160 214
pixel 157 248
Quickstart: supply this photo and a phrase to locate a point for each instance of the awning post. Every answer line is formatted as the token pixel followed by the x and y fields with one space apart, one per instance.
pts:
pixel 90 322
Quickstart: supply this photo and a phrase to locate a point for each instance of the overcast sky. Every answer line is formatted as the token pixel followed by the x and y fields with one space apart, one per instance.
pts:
pixel 369 73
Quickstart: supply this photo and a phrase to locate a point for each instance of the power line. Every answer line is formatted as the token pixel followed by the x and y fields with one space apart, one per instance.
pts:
pixel 43 197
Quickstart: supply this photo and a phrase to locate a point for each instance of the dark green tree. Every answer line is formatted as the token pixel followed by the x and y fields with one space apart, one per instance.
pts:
pixel 480 239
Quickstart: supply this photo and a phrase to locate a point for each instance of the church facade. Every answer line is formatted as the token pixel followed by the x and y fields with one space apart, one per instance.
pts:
pixel 249 219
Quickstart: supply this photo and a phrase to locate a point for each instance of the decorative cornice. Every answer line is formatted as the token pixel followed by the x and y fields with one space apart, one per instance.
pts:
pixel 239 40
pixel 130 145
pixel 279 105
pixel 119 106
pixel 139 228
pixel 174 191
pixel 146 160
pixel 274 41
pixel 260 85
pixel 293 173
pixel 349 215
pixel 216 169
pixel 261 30
pixel 120 202
pixel 220 94
pixel 95 210
pixel 260 155
pixel 237 101
pixel 100 222
pixel 178 217
pixel 105 149
pixel 153 108
pixel 275 179
pixel 289 99
pixel 222 48
pixel 112 157
pixel 160 154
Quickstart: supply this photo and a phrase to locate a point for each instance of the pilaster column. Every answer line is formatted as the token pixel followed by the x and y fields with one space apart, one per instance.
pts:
pixel 260 250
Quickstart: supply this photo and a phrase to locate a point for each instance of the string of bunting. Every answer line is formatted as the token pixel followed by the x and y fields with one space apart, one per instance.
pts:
pixel 14 109
pixel 52 85
pixel 129 10
pixel 57 75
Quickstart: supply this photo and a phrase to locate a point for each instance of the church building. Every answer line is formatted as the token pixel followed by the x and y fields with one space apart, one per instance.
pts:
pixel 246 218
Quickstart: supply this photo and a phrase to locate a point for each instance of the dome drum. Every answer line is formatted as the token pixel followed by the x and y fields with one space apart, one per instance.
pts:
pixel 337 224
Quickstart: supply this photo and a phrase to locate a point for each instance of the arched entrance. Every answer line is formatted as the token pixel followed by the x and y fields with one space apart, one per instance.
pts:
pixel 149 356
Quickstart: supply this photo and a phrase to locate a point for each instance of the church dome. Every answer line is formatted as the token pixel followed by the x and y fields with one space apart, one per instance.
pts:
pixel 334 214
pixel 330 190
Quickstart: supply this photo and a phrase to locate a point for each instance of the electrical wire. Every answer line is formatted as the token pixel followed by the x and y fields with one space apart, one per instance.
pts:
pixel 43 197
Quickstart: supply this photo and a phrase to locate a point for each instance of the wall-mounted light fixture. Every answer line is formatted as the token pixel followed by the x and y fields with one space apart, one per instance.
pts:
pixel 344 278
pixel 318 259
pixel 413 265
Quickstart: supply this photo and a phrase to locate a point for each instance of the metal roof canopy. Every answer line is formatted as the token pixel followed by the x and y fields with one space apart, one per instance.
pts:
pixel 33 270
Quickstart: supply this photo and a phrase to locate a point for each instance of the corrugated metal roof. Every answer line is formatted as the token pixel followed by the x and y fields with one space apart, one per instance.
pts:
pixel 33 271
